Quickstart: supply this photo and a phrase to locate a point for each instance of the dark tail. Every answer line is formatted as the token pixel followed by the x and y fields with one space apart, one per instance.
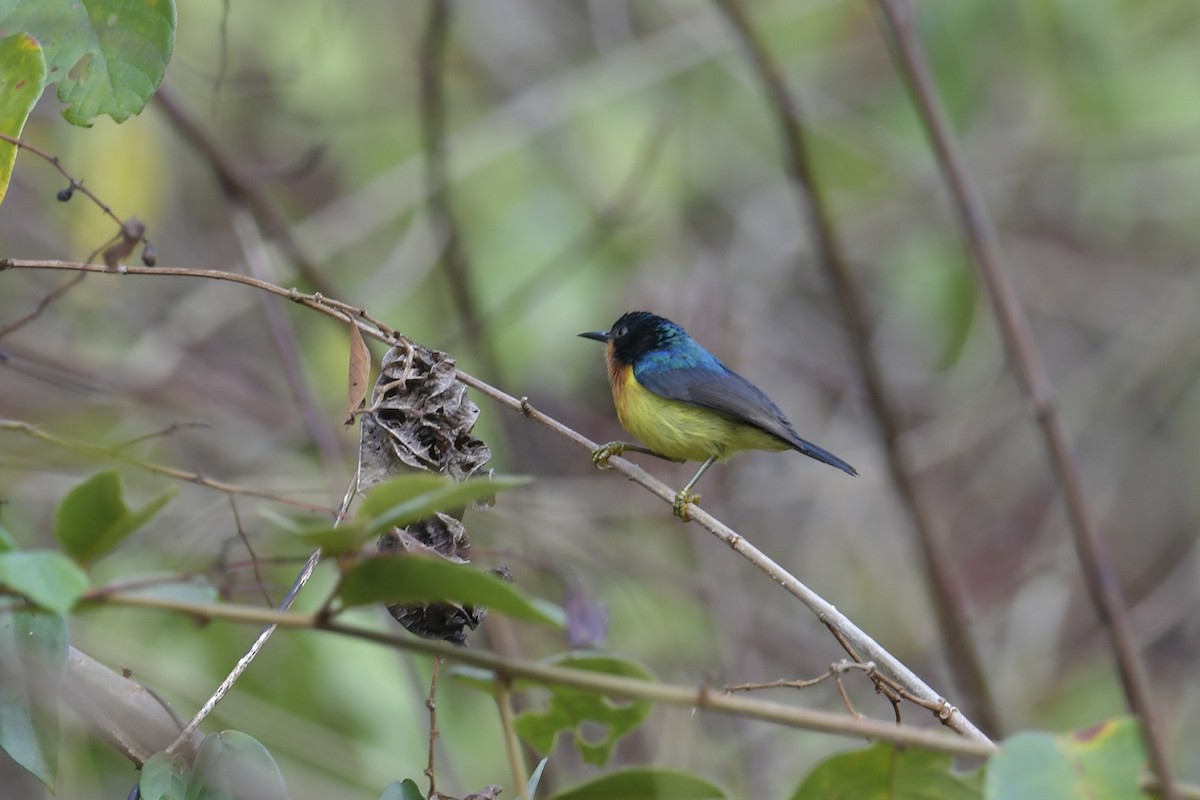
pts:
pixel 824 456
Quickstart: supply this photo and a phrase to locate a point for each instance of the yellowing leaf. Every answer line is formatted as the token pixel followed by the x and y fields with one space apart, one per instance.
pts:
pixel 22 78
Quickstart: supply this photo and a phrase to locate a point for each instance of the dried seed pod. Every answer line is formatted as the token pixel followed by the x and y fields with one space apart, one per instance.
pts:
pixel 421 420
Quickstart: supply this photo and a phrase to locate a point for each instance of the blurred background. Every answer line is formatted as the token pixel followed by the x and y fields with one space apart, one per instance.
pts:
pixel 606 156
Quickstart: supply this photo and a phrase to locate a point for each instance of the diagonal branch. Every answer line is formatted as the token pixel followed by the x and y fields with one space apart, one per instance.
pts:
pixel 947 593
pixel 1099 572
pixel 846 631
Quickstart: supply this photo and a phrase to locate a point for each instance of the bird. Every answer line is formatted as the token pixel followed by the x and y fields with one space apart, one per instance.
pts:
pixel 684 404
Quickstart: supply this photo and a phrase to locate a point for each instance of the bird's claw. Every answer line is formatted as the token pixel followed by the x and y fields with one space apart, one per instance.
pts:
pixel 682 501
pixel 604 452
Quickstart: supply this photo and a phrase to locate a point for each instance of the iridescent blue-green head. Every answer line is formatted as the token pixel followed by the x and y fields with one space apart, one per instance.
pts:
pixel 637 333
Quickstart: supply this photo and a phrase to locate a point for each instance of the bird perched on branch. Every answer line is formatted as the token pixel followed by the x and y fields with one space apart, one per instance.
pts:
pixel 685 405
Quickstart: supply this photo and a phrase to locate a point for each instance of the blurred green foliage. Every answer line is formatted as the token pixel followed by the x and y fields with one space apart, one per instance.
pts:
pixel 1078 119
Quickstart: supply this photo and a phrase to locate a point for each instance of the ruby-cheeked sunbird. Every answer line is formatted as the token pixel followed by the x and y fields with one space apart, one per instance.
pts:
pixel 685 404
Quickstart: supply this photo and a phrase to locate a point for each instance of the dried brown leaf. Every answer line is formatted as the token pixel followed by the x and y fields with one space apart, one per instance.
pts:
pixel 360 373
pixel 132 231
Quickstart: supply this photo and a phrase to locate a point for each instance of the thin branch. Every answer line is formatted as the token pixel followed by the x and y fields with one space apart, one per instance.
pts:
pixel 317 301
pixel 1100 574
pixel 284 338
pixel 431 704
pixel 258 577
pixel 432 65
pixel 865 648
pixel 244 662
pixel 101 451
pixel 76 185
pixel 947 594
pixel 43 304
pixel 835 669
pixel 512 744
pixel 91 686
pixel 170 430
pixel 631 688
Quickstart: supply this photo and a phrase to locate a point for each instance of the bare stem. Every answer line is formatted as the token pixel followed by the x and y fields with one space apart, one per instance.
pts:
pixel 431 704
pixel 516 762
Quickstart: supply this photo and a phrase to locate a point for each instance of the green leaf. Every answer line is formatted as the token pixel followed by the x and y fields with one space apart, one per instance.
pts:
pixel 645 783
pixel 33 658
pixel 408 498
pixel 48 578
pixel 232 765
pixel 882 772
pixel 345 538
pixel 107 56
pixel 22 78
pixel 402 790
pixel 333 541
pixel 568 709
pixel 93 519
pixel 417 579
pixel 1100 763
pixel 164 777
pixel 7 542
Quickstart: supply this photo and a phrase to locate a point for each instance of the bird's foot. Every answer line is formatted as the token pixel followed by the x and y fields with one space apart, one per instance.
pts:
pixel 682 501
pixel 604 452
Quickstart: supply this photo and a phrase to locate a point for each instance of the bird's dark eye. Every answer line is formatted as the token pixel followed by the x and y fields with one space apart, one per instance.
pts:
pixel 621 331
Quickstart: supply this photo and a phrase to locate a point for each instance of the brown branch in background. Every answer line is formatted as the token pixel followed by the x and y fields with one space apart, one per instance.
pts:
pixel 258 577
pixel 947 596
pixel 1100 574
pixel 437 182
pixel 170 430
pixel 42 305
pixel 286 341
pixel 848 634
pixel 239 183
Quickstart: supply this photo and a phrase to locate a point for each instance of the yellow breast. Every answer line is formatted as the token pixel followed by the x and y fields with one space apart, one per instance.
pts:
pixel 682 431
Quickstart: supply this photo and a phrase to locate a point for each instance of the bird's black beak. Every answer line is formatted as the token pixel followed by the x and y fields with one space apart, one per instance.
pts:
pixel 599 336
